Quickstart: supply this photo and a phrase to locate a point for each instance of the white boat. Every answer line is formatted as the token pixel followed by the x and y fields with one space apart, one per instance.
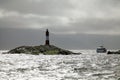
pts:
pixel 101 49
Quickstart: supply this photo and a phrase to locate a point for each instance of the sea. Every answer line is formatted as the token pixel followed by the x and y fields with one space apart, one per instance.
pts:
pixel 87 66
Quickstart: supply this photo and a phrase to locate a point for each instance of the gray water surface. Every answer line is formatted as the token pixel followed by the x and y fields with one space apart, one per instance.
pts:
pixel 59 67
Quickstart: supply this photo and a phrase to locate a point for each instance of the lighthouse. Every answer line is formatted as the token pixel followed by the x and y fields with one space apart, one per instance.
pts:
pixel 47 38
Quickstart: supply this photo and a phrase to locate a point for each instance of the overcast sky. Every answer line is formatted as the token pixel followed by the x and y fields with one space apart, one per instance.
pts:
pixel 78 19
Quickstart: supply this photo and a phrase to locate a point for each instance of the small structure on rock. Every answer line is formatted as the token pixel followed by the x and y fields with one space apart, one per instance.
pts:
pixel 47 42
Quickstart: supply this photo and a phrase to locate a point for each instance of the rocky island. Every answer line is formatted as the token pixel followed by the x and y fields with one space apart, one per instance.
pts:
pixel 46 49
pixel 42 49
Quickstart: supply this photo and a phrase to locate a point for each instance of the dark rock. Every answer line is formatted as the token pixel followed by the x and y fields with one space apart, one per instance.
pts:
pixel 118 78
pixel 113 52
pixel 65 52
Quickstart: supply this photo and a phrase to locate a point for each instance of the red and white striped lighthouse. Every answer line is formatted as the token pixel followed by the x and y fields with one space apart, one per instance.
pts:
pixel 47 38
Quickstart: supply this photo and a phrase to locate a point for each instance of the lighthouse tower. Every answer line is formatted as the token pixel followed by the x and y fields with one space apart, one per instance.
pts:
pixel 47 38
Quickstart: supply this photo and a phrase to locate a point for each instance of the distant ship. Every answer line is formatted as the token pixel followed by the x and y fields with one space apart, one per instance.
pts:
pixel 101 49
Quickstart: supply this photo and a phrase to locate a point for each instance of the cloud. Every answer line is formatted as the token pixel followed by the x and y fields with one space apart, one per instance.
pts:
pixel 30 20
pixel 63 16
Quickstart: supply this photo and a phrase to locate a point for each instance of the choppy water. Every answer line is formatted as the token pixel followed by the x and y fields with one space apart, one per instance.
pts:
pixel 59 67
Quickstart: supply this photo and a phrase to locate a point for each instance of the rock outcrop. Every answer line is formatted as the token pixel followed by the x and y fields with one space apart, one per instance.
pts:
pixel 113 52
pixel 42 49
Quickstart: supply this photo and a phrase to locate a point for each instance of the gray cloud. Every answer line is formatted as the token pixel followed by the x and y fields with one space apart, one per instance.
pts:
pixel 84 14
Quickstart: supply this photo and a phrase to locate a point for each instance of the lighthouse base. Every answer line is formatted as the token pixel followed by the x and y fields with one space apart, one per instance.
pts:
pixel 47 42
